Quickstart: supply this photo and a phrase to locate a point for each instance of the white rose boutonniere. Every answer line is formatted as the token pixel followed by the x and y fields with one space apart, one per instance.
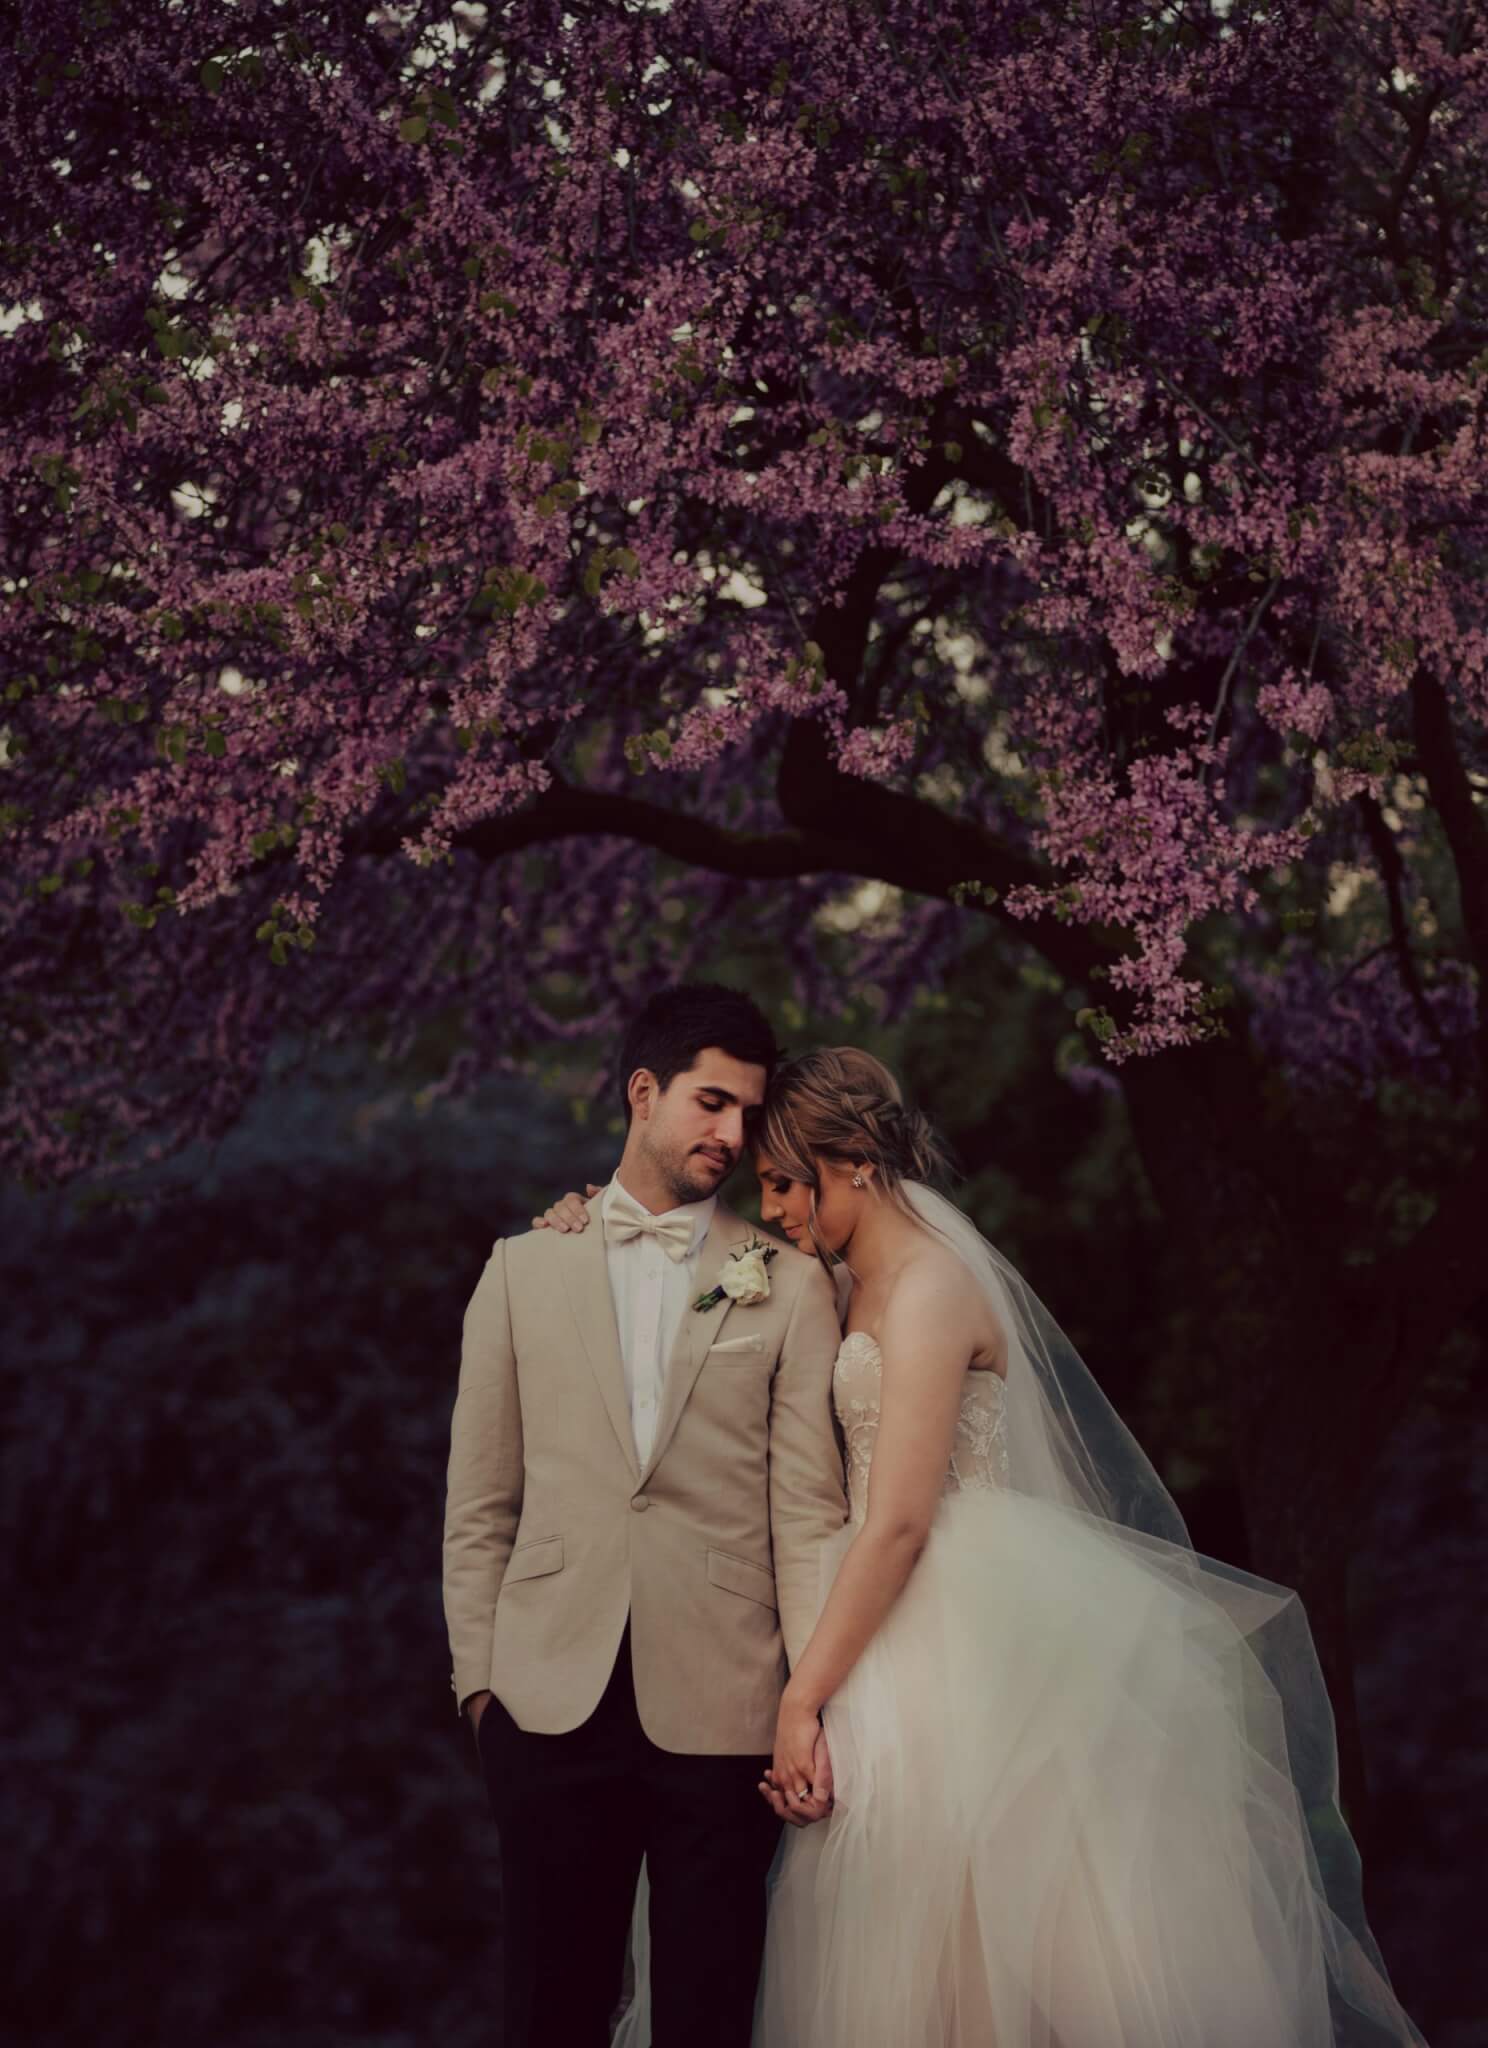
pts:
pixel 746 1277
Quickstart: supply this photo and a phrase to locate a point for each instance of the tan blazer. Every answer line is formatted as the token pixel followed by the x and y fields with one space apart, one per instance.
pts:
pixel 553 1534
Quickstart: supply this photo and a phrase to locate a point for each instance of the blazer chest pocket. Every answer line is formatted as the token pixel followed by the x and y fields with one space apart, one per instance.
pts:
pixel 534 1560
pixel 738 1575
pixel 737 1351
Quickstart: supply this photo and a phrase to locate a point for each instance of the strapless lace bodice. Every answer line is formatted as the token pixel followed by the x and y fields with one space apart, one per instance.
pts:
pixel 979 1453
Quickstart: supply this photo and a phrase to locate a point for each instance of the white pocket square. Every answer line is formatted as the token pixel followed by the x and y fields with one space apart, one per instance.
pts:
pixel 738 1344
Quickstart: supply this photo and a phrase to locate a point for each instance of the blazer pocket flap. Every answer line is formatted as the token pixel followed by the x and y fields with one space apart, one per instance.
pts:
pixel 738 1575
pixel 532 1560
pixel 737 1347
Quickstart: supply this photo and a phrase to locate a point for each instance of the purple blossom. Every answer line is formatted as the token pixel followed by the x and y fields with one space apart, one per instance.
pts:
pixel 1030 459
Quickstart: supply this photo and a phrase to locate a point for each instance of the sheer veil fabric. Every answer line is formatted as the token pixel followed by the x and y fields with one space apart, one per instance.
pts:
pixel 1087 1786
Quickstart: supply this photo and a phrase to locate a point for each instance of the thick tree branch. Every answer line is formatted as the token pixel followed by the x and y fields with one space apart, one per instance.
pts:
pixel 860 831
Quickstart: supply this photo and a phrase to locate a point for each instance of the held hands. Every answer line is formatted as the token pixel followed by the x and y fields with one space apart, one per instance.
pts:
pixel 567 1213
pixel 798 1787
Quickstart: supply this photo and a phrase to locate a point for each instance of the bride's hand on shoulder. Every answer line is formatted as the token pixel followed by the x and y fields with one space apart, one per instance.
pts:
pixel 567 1213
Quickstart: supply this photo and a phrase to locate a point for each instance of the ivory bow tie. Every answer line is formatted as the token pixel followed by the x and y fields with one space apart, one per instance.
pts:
pixel 625 1219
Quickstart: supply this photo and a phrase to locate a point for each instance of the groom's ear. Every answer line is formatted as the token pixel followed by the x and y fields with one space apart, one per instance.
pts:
pixel 641 1092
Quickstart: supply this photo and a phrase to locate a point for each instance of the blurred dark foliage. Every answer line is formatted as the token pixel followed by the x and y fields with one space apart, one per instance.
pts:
pixel 244 1808
pixel 239 1805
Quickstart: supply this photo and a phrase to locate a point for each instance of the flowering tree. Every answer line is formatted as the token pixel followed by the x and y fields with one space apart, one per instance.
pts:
pixel 498 493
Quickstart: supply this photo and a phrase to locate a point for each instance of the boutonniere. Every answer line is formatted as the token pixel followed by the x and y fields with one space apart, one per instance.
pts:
pixel 745 1278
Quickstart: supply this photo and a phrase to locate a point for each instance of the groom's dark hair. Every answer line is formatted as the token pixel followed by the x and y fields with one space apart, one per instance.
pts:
pixel 672 1027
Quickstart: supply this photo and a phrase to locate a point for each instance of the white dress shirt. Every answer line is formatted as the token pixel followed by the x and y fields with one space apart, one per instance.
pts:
pixel 651 1293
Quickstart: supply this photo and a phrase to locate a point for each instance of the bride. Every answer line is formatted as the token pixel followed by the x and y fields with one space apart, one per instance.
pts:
pixel 1085 1779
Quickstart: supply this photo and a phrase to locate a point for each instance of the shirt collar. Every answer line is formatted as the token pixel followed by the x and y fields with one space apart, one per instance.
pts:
pixel 702 1212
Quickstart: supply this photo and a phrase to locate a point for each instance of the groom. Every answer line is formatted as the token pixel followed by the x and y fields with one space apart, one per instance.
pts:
pixel 642 1466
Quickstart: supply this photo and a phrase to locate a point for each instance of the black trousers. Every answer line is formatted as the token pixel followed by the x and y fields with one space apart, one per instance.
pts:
pixel 576 1813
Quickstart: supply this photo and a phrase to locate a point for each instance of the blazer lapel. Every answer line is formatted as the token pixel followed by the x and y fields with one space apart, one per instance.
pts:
pixel 700 1328
pixel 594 1311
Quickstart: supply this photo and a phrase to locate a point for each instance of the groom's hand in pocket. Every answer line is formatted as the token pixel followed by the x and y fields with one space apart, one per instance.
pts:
pixel 475 1706
pixel 567 1213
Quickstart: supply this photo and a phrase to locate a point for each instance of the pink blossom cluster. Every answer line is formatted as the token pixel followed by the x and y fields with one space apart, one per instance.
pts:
pixel 495 494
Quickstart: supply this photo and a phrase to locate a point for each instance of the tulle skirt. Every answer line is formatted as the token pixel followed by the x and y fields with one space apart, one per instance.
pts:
pixel 1068 1815
pixel 1071 1813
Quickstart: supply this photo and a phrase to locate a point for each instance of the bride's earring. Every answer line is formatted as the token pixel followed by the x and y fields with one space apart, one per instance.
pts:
pixel 857 1180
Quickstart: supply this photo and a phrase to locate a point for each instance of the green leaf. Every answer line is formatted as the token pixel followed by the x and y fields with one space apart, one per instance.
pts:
pixel 413 128
pixel 215 742
pixel 212 74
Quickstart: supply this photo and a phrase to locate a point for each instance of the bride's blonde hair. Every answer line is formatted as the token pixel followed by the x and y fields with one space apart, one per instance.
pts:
pixel 842 1104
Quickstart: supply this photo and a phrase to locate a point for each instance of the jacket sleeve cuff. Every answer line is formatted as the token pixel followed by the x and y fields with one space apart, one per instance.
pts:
pixel 465 1685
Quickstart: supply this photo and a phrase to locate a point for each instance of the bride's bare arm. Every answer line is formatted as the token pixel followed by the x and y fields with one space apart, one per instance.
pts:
pixel 567 1213
pixel 929 1334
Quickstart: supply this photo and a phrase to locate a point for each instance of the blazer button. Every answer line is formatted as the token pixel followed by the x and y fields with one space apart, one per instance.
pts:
pixel 640 1504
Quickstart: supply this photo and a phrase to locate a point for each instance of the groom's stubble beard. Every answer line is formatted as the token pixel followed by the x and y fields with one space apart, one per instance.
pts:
pixel 689 1176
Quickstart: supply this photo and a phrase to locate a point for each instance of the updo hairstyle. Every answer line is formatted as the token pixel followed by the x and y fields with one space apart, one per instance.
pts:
pixel 842 1104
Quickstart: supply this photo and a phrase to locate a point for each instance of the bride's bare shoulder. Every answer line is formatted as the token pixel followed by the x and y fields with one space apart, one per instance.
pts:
pixel 938 1289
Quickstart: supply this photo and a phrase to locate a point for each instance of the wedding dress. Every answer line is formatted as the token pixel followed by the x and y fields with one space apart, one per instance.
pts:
pixel 1086 1780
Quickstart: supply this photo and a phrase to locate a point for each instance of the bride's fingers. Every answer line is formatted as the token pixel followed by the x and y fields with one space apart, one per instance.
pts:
pixel 568 1213
pixel 790 1781
pixel 800 1813
pixel 796 1817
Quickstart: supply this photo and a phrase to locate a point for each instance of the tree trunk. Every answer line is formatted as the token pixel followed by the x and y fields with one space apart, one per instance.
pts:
pixel 1287 1340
